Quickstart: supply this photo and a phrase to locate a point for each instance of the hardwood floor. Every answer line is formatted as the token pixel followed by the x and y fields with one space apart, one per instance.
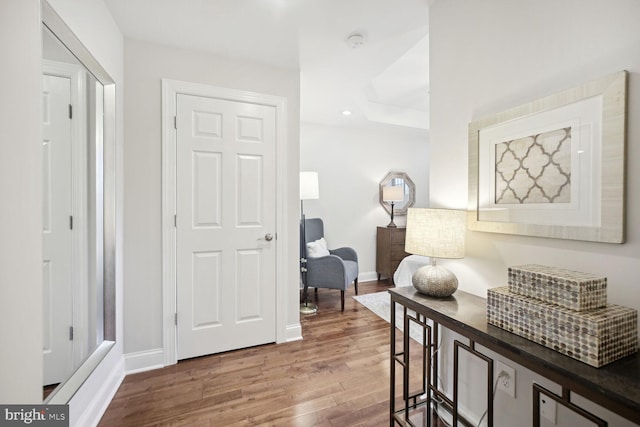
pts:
pixel 338 375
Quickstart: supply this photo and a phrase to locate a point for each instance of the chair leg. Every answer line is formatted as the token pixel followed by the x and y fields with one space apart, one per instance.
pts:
pixel 355 282
pixel 342 300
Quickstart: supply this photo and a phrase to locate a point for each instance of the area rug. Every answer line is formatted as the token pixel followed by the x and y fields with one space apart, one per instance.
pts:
pixel 380 304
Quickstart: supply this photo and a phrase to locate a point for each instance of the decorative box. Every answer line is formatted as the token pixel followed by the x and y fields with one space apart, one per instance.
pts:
pixel 596 337
pixel 570 289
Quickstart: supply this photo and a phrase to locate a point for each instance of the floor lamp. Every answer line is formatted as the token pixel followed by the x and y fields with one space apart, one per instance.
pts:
pixel 308 191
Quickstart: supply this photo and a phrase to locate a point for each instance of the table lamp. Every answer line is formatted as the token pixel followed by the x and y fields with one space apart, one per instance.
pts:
pixel 436 233
pixel 392 194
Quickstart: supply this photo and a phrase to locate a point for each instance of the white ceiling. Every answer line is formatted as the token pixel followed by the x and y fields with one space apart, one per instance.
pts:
pixel 383 82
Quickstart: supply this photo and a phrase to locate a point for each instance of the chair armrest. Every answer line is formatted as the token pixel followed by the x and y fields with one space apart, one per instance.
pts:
pixel 347 254
pixel 326 272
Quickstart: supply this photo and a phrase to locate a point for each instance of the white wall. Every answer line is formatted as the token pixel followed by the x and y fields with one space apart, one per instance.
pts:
pixel 21 195
pixel 20 189
pixel 492 55
pixel 489 56
pixel 146 65
pixel 350 165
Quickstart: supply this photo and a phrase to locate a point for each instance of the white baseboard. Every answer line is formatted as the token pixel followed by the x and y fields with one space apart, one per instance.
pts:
pixel 294 332
pixel 142 361
pixel 97 406
pixel 368 276
pixel 447 417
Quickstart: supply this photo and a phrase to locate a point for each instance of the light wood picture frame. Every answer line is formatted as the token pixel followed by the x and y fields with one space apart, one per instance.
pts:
pixel 554 167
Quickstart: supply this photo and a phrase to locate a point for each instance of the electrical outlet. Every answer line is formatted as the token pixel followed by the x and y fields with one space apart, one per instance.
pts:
pixel 548 408
pixel 506 379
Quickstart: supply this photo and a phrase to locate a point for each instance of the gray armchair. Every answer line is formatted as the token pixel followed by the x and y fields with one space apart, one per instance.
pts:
pixel 334 271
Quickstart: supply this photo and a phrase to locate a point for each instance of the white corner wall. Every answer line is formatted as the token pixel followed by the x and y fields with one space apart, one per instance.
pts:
pixel 146 65
pixel 491 55
pixel 21 195
pixel 350 165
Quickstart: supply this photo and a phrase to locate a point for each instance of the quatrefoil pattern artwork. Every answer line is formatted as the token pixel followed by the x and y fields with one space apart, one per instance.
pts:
pixel 534 169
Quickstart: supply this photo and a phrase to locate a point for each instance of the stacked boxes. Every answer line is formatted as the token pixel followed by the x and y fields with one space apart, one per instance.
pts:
pixel 569 289
pixel 566 311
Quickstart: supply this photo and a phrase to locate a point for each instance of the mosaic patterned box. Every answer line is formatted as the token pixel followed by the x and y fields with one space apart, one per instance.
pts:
pixel 595 337
pixel 570 289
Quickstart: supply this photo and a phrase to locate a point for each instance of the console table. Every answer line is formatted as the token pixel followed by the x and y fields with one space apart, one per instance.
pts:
pixel 615 386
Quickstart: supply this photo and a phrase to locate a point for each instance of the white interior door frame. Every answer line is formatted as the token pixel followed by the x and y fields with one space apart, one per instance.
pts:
pixel 170 90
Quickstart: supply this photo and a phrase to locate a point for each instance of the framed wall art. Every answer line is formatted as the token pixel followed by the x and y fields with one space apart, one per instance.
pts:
pixel 554 167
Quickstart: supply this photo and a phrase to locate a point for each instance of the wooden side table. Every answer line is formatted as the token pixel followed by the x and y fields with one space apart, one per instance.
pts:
pixel 389 250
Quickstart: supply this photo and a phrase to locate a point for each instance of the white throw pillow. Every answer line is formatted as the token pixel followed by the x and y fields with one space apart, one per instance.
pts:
pixel 317 249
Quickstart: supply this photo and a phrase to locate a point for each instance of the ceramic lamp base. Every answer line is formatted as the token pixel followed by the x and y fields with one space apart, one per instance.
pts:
pixel 434 281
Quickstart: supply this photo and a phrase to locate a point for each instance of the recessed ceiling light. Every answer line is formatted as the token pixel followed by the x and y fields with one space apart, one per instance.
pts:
pixel 346 112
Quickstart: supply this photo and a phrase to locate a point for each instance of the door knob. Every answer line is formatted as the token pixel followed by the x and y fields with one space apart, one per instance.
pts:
pixel 268 237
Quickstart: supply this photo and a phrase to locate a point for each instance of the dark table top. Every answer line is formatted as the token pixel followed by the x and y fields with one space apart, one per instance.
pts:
pixel 615 386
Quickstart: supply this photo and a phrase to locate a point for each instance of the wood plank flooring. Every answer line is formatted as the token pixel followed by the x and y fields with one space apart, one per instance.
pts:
pixel 338 375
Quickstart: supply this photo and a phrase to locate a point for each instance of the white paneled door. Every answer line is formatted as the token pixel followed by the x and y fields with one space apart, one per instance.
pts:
pixel 226 222
pixel 56 229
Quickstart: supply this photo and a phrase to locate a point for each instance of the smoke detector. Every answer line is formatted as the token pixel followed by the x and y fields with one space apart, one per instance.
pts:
pixel 355 40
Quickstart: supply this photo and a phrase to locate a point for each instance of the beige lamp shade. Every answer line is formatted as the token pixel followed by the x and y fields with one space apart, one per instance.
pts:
pixel 393 193
pixel 309 189
pixel 437 233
